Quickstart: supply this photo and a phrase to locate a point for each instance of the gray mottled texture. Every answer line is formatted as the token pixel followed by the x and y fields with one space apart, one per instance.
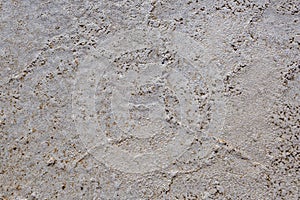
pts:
pixel 131 99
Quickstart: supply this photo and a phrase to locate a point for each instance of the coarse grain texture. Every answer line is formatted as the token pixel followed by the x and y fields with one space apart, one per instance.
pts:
pixel 160 99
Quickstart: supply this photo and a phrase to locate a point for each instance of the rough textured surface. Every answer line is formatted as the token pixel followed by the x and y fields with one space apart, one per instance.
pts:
pixel 130 99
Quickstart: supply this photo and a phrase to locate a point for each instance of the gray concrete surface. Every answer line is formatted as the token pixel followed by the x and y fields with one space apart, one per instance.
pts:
pixel 130 99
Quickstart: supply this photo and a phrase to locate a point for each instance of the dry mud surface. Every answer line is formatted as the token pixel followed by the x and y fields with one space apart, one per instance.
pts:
pixel 131 99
